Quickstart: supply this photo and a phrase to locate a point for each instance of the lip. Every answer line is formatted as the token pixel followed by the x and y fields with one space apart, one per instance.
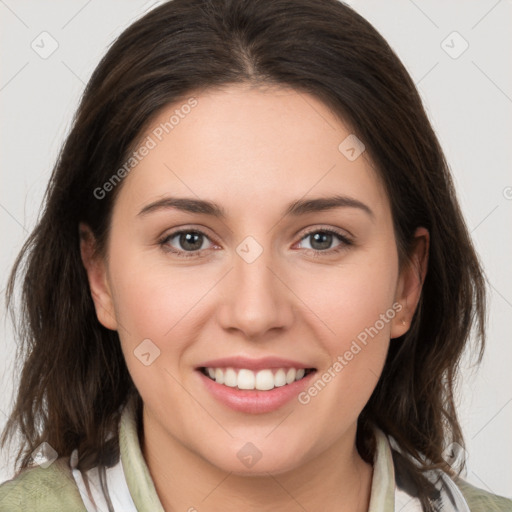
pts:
pixel 263 363
pixel 255 401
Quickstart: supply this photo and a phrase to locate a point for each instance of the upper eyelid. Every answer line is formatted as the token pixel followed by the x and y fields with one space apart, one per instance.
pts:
pixel 337 231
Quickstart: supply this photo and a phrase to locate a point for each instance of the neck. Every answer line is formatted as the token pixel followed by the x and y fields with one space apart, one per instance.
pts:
pixel 337 479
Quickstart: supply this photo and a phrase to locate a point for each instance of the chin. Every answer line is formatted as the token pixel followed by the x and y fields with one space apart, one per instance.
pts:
pixel 248 460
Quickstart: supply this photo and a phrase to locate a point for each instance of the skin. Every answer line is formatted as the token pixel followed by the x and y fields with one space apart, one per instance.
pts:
pixel 253 151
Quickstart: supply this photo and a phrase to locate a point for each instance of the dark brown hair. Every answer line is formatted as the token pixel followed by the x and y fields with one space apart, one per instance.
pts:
pixel 74 378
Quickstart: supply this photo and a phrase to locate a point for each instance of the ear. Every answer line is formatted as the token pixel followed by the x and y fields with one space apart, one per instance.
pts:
pixel 97 276
pixel 410 283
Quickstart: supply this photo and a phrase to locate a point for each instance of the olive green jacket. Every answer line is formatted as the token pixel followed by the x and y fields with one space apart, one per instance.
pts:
pixel 55 488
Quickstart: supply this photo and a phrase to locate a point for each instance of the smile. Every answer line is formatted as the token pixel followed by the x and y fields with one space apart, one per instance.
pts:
pixel 262 380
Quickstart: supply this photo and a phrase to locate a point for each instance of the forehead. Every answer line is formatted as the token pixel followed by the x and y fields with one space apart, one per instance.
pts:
pixel 266 146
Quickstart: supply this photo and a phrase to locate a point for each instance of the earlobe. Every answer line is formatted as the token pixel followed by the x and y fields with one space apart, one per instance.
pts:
pixel 410 283
pixel 97 277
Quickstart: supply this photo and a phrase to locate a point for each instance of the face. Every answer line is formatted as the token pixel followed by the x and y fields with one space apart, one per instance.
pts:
pixel 299 272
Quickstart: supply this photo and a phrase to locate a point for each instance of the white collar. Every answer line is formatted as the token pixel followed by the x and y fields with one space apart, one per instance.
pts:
pixel 131 488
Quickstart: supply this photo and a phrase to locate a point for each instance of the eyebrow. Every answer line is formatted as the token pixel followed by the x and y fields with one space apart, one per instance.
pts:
pixel 295 209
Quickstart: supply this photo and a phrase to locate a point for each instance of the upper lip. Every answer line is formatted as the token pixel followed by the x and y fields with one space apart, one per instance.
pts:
pixel 253 364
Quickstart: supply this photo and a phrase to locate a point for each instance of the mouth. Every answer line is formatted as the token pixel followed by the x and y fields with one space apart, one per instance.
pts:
pixel 265 379
pixel 254 385
pixel 258 391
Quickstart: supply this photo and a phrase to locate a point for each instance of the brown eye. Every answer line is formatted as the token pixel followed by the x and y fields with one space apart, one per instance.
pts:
pixel 185 241
pixel 321 241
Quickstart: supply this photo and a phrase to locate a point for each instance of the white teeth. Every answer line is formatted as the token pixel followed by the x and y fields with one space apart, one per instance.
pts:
pixel 219 376
pixel 262 380
pixel 280 378
pixel 246 379
pixel 230 378
pixel 290 375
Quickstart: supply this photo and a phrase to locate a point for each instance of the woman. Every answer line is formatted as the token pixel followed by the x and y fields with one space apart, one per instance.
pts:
pixel 252 283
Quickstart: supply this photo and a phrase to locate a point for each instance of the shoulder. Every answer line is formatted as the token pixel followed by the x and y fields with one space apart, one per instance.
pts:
pixel 454 489
pixel 42 489
pixel 480 500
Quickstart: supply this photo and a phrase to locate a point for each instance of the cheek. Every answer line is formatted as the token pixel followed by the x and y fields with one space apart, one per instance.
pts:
pixel 154 308
pixel 151 296
pixel 145 304
pixel 353 309
pixel 351 297
pixel 153 302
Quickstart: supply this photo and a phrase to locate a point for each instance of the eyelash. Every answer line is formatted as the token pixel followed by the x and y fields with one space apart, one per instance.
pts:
pixel 346 242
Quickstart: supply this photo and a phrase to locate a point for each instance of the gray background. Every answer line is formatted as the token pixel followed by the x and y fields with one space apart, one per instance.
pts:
pixel 468 99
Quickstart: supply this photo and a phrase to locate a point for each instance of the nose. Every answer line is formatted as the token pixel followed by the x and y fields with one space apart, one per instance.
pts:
pixel 256 297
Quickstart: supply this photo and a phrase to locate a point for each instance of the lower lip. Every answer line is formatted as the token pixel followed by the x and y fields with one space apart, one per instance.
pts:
pixel 255 401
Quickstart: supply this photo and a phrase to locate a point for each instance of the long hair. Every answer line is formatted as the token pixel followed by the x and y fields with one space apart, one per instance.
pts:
pixel 74 379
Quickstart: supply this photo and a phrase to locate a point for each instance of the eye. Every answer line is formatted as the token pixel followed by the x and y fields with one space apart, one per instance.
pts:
pixel 185 243
pixel 320 241
pixel 188 243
